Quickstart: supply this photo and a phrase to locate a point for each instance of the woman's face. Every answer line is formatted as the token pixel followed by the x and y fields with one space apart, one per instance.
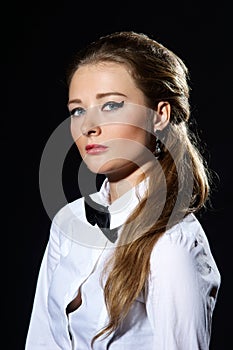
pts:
pixel 109 121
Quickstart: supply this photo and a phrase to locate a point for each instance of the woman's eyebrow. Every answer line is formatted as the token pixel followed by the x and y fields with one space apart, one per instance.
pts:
pixel 104 94
pixel 99 96
pixel 75 100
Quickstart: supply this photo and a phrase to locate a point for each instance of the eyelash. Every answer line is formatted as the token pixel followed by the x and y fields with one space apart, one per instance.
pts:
pixel 114 104
pixel 77 109
pixel 110 104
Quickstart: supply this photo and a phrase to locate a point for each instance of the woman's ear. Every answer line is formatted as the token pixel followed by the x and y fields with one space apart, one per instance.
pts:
pixel 162 115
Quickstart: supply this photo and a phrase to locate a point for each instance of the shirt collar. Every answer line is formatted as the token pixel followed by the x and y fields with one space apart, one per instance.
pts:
pixel 122 207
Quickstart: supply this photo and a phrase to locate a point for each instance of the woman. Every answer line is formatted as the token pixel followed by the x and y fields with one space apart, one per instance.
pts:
pixel 140 276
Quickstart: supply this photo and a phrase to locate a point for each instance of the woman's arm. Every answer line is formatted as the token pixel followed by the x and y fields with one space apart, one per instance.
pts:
pixel 39 335
pixel 182 294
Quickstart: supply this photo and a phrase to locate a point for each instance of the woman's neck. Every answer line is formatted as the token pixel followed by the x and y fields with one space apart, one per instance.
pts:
pixel 119 186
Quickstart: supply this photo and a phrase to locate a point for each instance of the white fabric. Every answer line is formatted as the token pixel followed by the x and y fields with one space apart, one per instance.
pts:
pixel 182 289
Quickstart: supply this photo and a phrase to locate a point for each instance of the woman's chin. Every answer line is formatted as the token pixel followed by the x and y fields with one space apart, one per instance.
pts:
pixel 114 172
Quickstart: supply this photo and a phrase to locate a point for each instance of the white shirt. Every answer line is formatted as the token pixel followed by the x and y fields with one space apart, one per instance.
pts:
pixel 181 296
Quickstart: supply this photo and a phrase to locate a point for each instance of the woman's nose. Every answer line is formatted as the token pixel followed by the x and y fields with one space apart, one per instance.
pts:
pixel 90 130
pixel 91 124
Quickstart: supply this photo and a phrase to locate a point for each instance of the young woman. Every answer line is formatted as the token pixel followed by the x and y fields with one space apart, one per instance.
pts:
pixel 141 275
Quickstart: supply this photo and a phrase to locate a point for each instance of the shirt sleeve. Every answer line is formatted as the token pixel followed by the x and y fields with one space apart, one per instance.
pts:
pixel 182 294
pixel 39 335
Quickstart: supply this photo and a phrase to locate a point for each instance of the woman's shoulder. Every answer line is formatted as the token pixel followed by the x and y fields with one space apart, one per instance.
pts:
pixel 187 232
pixel 69 212
pixel 185 244
pixel 187 229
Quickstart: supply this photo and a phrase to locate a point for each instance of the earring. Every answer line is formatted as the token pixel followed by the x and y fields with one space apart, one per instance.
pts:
pixel 158 148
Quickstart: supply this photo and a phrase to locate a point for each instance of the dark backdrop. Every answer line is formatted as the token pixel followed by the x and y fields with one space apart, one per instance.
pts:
pixel 43 38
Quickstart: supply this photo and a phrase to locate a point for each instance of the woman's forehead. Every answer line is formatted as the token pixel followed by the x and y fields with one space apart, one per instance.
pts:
pixel 102 79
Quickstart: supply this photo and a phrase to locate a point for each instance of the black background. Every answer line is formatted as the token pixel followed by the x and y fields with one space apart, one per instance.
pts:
pixel 42 37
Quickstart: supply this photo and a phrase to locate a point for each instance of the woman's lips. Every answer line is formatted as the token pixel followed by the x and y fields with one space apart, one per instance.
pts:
pixel 95 148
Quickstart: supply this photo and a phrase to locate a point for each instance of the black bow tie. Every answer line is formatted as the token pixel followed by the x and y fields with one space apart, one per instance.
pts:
pixel 100 215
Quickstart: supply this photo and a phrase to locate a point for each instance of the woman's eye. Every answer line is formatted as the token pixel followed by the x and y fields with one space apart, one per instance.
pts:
pixel 112 105
pixel 77 112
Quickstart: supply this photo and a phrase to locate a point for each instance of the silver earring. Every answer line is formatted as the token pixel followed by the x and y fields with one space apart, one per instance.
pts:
pixel 158 148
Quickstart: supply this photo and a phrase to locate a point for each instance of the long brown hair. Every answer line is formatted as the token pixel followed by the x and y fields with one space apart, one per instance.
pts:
pixel 162 76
